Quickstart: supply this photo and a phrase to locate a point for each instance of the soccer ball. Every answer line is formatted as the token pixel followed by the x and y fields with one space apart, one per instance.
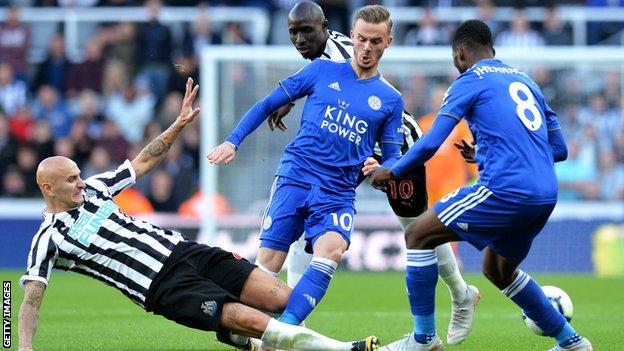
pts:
pixel 560 301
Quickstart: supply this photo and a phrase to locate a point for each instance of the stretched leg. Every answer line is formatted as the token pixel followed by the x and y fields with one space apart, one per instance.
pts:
pixel 248 321
pixel 328 250
pixel 528 295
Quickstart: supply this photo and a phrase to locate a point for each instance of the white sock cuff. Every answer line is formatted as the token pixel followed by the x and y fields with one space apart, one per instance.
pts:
pixel 421 258
pixel 522 279
pixel 324 265
pixel 265 270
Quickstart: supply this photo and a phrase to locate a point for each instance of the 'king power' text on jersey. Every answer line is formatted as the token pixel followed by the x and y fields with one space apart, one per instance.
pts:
pixel 510 119
pixel 342 119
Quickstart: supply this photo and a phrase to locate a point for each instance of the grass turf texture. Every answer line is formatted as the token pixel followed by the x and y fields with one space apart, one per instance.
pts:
pixel 80 313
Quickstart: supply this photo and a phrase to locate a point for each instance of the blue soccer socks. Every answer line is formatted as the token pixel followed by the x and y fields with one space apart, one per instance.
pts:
pixel 421 278
pixel 309 291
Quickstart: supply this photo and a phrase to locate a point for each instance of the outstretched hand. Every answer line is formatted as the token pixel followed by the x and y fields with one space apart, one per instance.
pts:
pixel 223 153
pixel 188 113
pixel 467 151
pixel 275 119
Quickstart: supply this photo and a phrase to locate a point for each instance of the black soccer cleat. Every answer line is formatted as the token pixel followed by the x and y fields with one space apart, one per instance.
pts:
pixel 371 343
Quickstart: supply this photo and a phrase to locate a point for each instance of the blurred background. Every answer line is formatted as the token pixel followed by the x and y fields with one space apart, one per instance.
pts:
pixel 96 80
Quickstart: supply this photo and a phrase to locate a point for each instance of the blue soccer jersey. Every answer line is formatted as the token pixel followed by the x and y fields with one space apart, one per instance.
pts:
pixel 342 119
pixel 510 120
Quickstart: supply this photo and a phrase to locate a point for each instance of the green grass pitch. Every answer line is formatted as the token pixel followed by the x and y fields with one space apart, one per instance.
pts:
pixel 81 314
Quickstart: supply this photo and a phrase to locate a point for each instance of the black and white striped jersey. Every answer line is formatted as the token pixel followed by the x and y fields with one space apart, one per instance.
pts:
pixel 339 47
pixel 98 240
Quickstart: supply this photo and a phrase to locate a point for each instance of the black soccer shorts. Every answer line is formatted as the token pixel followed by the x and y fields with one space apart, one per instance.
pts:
pixel 195 282
pixel 407 196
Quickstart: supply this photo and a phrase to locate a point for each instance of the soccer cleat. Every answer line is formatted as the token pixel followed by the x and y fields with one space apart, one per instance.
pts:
pixel 408 343
pixel 462 316
pixel 254 345
pixel 582 345
pixel 371 343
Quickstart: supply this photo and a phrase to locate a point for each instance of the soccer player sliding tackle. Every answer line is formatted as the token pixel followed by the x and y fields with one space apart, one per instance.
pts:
pixel 191 284
pixel 349 108
pixel 518 139
pixel 309 33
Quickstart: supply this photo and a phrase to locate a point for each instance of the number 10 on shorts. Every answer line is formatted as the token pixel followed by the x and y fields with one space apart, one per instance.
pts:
pixel 344 220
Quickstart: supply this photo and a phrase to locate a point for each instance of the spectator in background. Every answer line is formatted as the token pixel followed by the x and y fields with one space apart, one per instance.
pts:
pixel 51 108
pixel 12 91
pixel 88 73
pixel 116 77
pixel 233 34
pixel 519 34
pixel 15 42
pixel 428 32
pixel 555 31
pixel 55 69
pixel 190 147
pixel 112 141
pixel 99 162
pixel 578 176
pixel 64 147
pixel 42 139
pixel 83 143
pixel 161 194
pixel 87 108
pixel 8 145
pixel 611 178
pixel 13 184
pixel 22 124
pixel 131 111
pixel 121 45
pixel 199 34
pixel 485 12
pixel 185 66
pixel 153 50
pixel 169 109
pixel 27 161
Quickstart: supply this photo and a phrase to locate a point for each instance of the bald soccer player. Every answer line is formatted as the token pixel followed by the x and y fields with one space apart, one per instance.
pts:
pixel 191 284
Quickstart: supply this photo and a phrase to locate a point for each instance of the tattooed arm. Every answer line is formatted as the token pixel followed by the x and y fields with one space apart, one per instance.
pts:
pixel 29 313
pixel 155 151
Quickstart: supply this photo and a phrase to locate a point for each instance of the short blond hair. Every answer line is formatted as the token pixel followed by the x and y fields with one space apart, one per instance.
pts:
pixel 374 14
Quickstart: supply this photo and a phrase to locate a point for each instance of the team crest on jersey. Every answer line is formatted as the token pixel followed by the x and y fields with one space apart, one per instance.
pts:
pixel 374 102
pixel 209 308
pixel 266 224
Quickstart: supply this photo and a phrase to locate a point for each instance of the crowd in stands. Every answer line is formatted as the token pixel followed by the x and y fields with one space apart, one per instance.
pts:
pixel 128 88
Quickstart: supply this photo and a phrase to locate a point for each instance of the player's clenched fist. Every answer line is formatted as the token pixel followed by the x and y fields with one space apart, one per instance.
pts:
pixel 223 153
pixel 379 178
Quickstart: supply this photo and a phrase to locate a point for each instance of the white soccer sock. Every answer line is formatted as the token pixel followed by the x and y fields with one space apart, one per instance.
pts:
pixel 298 261
pixel 447 267
pixel 291 337
pixel 449 272
pixel 265 270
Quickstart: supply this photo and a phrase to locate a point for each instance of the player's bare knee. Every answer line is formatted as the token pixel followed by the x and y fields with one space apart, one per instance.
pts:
pixel 334 254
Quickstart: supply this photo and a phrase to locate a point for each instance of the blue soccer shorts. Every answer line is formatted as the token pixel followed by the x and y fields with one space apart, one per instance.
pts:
pixel 295 207
pixel 483 219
